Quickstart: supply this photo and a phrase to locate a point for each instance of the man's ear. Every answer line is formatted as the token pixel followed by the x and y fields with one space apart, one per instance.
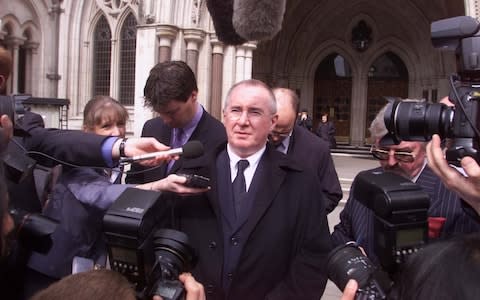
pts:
pixel 3 81
pixel 194 95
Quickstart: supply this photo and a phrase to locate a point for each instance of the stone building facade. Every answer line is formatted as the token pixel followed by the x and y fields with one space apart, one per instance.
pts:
pixel 341 57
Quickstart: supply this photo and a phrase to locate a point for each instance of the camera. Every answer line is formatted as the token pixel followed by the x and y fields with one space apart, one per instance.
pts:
pixel 400 229
pixel 348 262
pixel 174 255
pixel 413 121
pixel 33 230
pixel 196 181
pixel 12 106
pixel 400 210
pixel 150 259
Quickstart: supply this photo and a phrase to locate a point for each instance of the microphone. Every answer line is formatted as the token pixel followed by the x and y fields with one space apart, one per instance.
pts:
pixel 221 12
pixel 191 149
pixel 256 20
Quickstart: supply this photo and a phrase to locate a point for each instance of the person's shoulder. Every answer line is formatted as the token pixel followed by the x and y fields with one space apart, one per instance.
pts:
pixel 153 122
pixel 30 120
pixel 306 137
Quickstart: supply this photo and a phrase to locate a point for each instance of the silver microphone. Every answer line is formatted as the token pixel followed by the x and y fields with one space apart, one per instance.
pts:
pixel 191 149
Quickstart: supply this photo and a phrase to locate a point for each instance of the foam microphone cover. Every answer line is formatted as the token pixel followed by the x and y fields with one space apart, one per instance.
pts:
pixel 256 20
pixel 221 12
pixel 192 149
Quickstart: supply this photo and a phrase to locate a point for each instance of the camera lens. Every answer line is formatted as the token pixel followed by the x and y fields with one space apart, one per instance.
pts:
pixel 173 253
pixel 418 121
pixel 348 262
pixel 33 229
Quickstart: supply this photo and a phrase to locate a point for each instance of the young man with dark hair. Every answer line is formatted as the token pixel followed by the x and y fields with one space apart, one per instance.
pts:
pixel 171 91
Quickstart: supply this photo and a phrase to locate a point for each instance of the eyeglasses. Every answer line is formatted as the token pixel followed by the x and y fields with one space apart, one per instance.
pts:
pixel 253 114
pixel 402 156
pixel 281 134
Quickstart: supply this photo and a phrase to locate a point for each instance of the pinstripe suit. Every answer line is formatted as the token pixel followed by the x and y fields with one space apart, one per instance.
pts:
pixel 356 221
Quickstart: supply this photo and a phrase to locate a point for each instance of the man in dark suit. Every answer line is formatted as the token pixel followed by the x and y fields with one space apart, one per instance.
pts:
pixel 407 159
pixel 304 147
pixel 260 233
pixel 171 91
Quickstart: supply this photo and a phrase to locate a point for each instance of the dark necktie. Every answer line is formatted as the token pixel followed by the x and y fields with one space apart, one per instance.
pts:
pixel 177 141
pixel 239 185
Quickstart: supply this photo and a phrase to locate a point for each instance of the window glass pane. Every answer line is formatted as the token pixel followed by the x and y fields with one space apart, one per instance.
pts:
pixel 102 49
pixel 127 60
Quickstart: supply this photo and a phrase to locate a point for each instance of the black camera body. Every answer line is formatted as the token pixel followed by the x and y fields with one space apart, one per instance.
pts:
pixel 150 259
pixel 401 213
pixel 348 262
pixel 128 227
pixel 400 210
pixel 413 121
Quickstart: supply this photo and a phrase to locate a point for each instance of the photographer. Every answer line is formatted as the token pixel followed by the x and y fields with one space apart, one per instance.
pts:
pixel 106 284
pixel 408 159
pixel 446 269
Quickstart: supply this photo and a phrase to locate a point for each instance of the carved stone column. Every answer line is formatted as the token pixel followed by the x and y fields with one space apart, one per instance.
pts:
pixel 193 37
pixel 165 34
pixel 31 49
pixel 217 75
pixel 54 10
pixel 239 63
pixel 249 59
pixel 14 43
pixel 243 61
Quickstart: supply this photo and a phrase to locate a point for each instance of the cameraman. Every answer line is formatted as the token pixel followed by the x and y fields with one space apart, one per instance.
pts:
pixel 407 159
pixel 467 187
pixel 447 269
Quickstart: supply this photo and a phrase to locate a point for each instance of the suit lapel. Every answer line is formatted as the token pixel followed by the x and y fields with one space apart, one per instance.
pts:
pixel 265 186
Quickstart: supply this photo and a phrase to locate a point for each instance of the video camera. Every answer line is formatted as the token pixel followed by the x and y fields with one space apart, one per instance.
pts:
pixel 419 121
pixel 400 229
pixel 12 106
pixel 150 259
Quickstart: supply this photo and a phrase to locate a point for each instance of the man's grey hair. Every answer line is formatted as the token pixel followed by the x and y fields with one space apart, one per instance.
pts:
pixel 253 83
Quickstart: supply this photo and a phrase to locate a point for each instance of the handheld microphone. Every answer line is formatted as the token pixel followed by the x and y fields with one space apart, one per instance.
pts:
pixel 191 149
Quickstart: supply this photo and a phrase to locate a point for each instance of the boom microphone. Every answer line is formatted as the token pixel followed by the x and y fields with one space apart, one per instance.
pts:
pixel 222 12
pixel 191 149
pixel 256 20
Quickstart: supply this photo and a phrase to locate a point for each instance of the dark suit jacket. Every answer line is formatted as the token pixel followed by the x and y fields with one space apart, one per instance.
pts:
pixel 286 238
pixel 68 145
pixel 311 152
pixel 356 221
pixel 209 131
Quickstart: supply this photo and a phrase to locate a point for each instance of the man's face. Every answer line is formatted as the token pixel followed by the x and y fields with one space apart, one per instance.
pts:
pixel 405 159
pixel 286 119
pixel 177 114
pixel 248 119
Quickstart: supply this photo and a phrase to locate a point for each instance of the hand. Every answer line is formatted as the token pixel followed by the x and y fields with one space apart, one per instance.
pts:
pixel 6 132
pixel 144 145
pixel 350 290
pixel 193 288
pixel 468 188
pixel 172 183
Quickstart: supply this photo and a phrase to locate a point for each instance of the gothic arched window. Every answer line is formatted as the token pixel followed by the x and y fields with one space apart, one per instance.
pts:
pixel 102 53
pixel 128 44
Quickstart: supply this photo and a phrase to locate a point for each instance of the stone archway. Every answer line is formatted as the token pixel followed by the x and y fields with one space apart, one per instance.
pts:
pixel 332 94
pixel 387 76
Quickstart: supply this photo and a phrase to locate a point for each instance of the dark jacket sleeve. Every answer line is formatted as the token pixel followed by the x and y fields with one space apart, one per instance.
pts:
pixel 342 232
pixel 74 147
